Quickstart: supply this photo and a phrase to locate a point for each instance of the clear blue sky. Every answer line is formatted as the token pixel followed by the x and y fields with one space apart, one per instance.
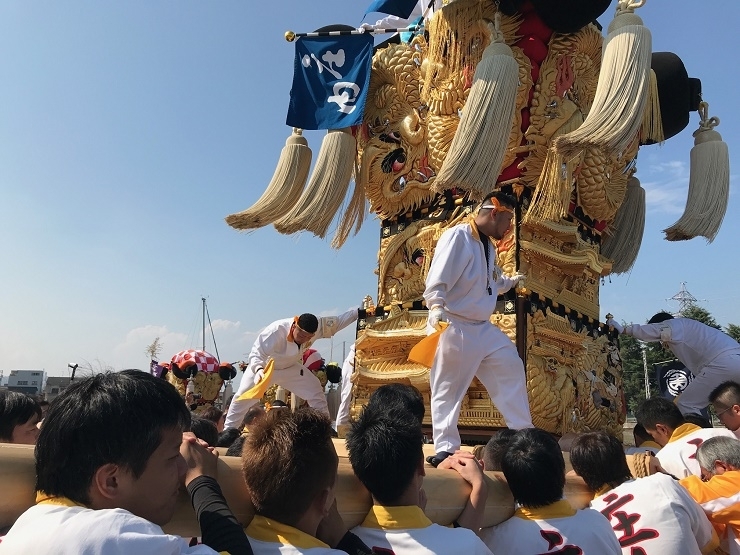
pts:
pixel 129 130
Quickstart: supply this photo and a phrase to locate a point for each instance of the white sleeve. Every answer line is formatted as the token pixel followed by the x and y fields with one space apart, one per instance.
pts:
pixel 264 347
pixel 647 332
pixel 329 325
pixel 450 259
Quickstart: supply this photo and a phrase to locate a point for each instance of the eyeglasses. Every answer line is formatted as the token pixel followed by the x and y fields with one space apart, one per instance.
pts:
pixel 706 476
pixel 720 413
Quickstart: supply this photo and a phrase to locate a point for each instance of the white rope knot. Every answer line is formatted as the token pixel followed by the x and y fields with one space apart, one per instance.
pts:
pixel 706 123
pixel 496 34
pixel 628 6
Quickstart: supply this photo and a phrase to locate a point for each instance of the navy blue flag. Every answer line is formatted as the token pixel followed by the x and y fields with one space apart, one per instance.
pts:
pixel 400 8
pixel 330 81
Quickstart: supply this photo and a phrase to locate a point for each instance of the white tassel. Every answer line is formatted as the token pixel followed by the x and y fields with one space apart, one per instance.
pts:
pixel 323 196
pixel 709 184
pixel 284 189
pixel 474 160
pixel 616 114
pixel 627 230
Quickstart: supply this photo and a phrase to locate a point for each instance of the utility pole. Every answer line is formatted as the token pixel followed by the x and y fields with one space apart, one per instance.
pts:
pixel 645 367
pixel 203 299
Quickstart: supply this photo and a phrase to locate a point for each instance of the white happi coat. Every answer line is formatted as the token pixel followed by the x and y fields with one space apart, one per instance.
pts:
pixel 458 280
pixel 273 343
pixel 556 528
pixel 711 355
pixel 406 529
pixel 678 456
pixel 658 516
pixel 73 529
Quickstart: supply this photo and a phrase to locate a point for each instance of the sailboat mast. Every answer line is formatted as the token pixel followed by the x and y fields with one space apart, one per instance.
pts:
pixel 203 299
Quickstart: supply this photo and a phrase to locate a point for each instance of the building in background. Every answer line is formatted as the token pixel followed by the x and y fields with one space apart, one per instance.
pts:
pixel 54 386
pixel 30 382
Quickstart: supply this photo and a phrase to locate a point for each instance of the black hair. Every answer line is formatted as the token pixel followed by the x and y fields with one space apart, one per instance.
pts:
pixel 697 419
pixel 212 413
pixel 227 437
pixel 534 468
pixel 204 429
pixel 660 317
pixel 505 199
pixel 398 396
pixel 658 410
pixel 599 459
pixel 729 391
pixel 385 450
pixel 494 450
pixel 308 322
pixel 15 409
pixel 254 413
pixel 235 449
pixel 641 434
pixel 114 417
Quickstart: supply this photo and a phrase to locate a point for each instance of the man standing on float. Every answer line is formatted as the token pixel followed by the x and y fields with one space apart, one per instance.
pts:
pixel 461 289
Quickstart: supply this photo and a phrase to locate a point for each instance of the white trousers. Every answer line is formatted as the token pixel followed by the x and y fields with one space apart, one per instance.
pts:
pixel 347 369
pixel 695 397
pixel 468 350
pixel 307 387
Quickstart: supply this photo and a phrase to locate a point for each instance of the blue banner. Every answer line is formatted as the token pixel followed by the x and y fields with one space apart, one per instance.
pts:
pixel 330 81
pixel 400 8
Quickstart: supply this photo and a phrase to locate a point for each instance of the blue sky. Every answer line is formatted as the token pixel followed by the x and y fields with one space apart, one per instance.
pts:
pixel 129 130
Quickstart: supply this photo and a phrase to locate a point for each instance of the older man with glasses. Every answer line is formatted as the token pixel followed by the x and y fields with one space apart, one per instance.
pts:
pixel 717 490
pixel 284 341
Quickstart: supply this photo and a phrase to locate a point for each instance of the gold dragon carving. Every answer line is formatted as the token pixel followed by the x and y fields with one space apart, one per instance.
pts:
pixel 416 95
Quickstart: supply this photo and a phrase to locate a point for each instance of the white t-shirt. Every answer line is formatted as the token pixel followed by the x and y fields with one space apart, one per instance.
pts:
pixel 657 515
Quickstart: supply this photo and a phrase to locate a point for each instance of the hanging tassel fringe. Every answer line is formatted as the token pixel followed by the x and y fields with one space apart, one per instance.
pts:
pixel 473 162
pixel 284 189
pixel 709 184
pixel 616 114
pixel 622 246
pixel 651 130
pixel 326 189
pixel 551 196
pixel 353 216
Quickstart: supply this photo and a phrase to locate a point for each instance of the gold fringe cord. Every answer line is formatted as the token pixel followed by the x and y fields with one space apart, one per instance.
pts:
pixel 284 188
pixel 551 196
pixel 651 130
pixel 709 184
pixel 625 240
pixel 621 94
pixel 473 162
pixel 327 187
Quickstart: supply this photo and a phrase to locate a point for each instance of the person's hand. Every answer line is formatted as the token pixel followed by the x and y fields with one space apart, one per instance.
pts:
pixel 200 459
pixel 616 325
pixel 517 277
pixel 437 314
pixel 467 466
pixel 258 375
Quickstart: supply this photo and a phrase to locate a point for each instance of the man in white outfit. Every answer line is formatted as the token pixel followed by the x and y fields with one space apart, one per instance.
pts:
pixel 712 356
pixel 284 341
pixel 347 369
pixel 461 289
